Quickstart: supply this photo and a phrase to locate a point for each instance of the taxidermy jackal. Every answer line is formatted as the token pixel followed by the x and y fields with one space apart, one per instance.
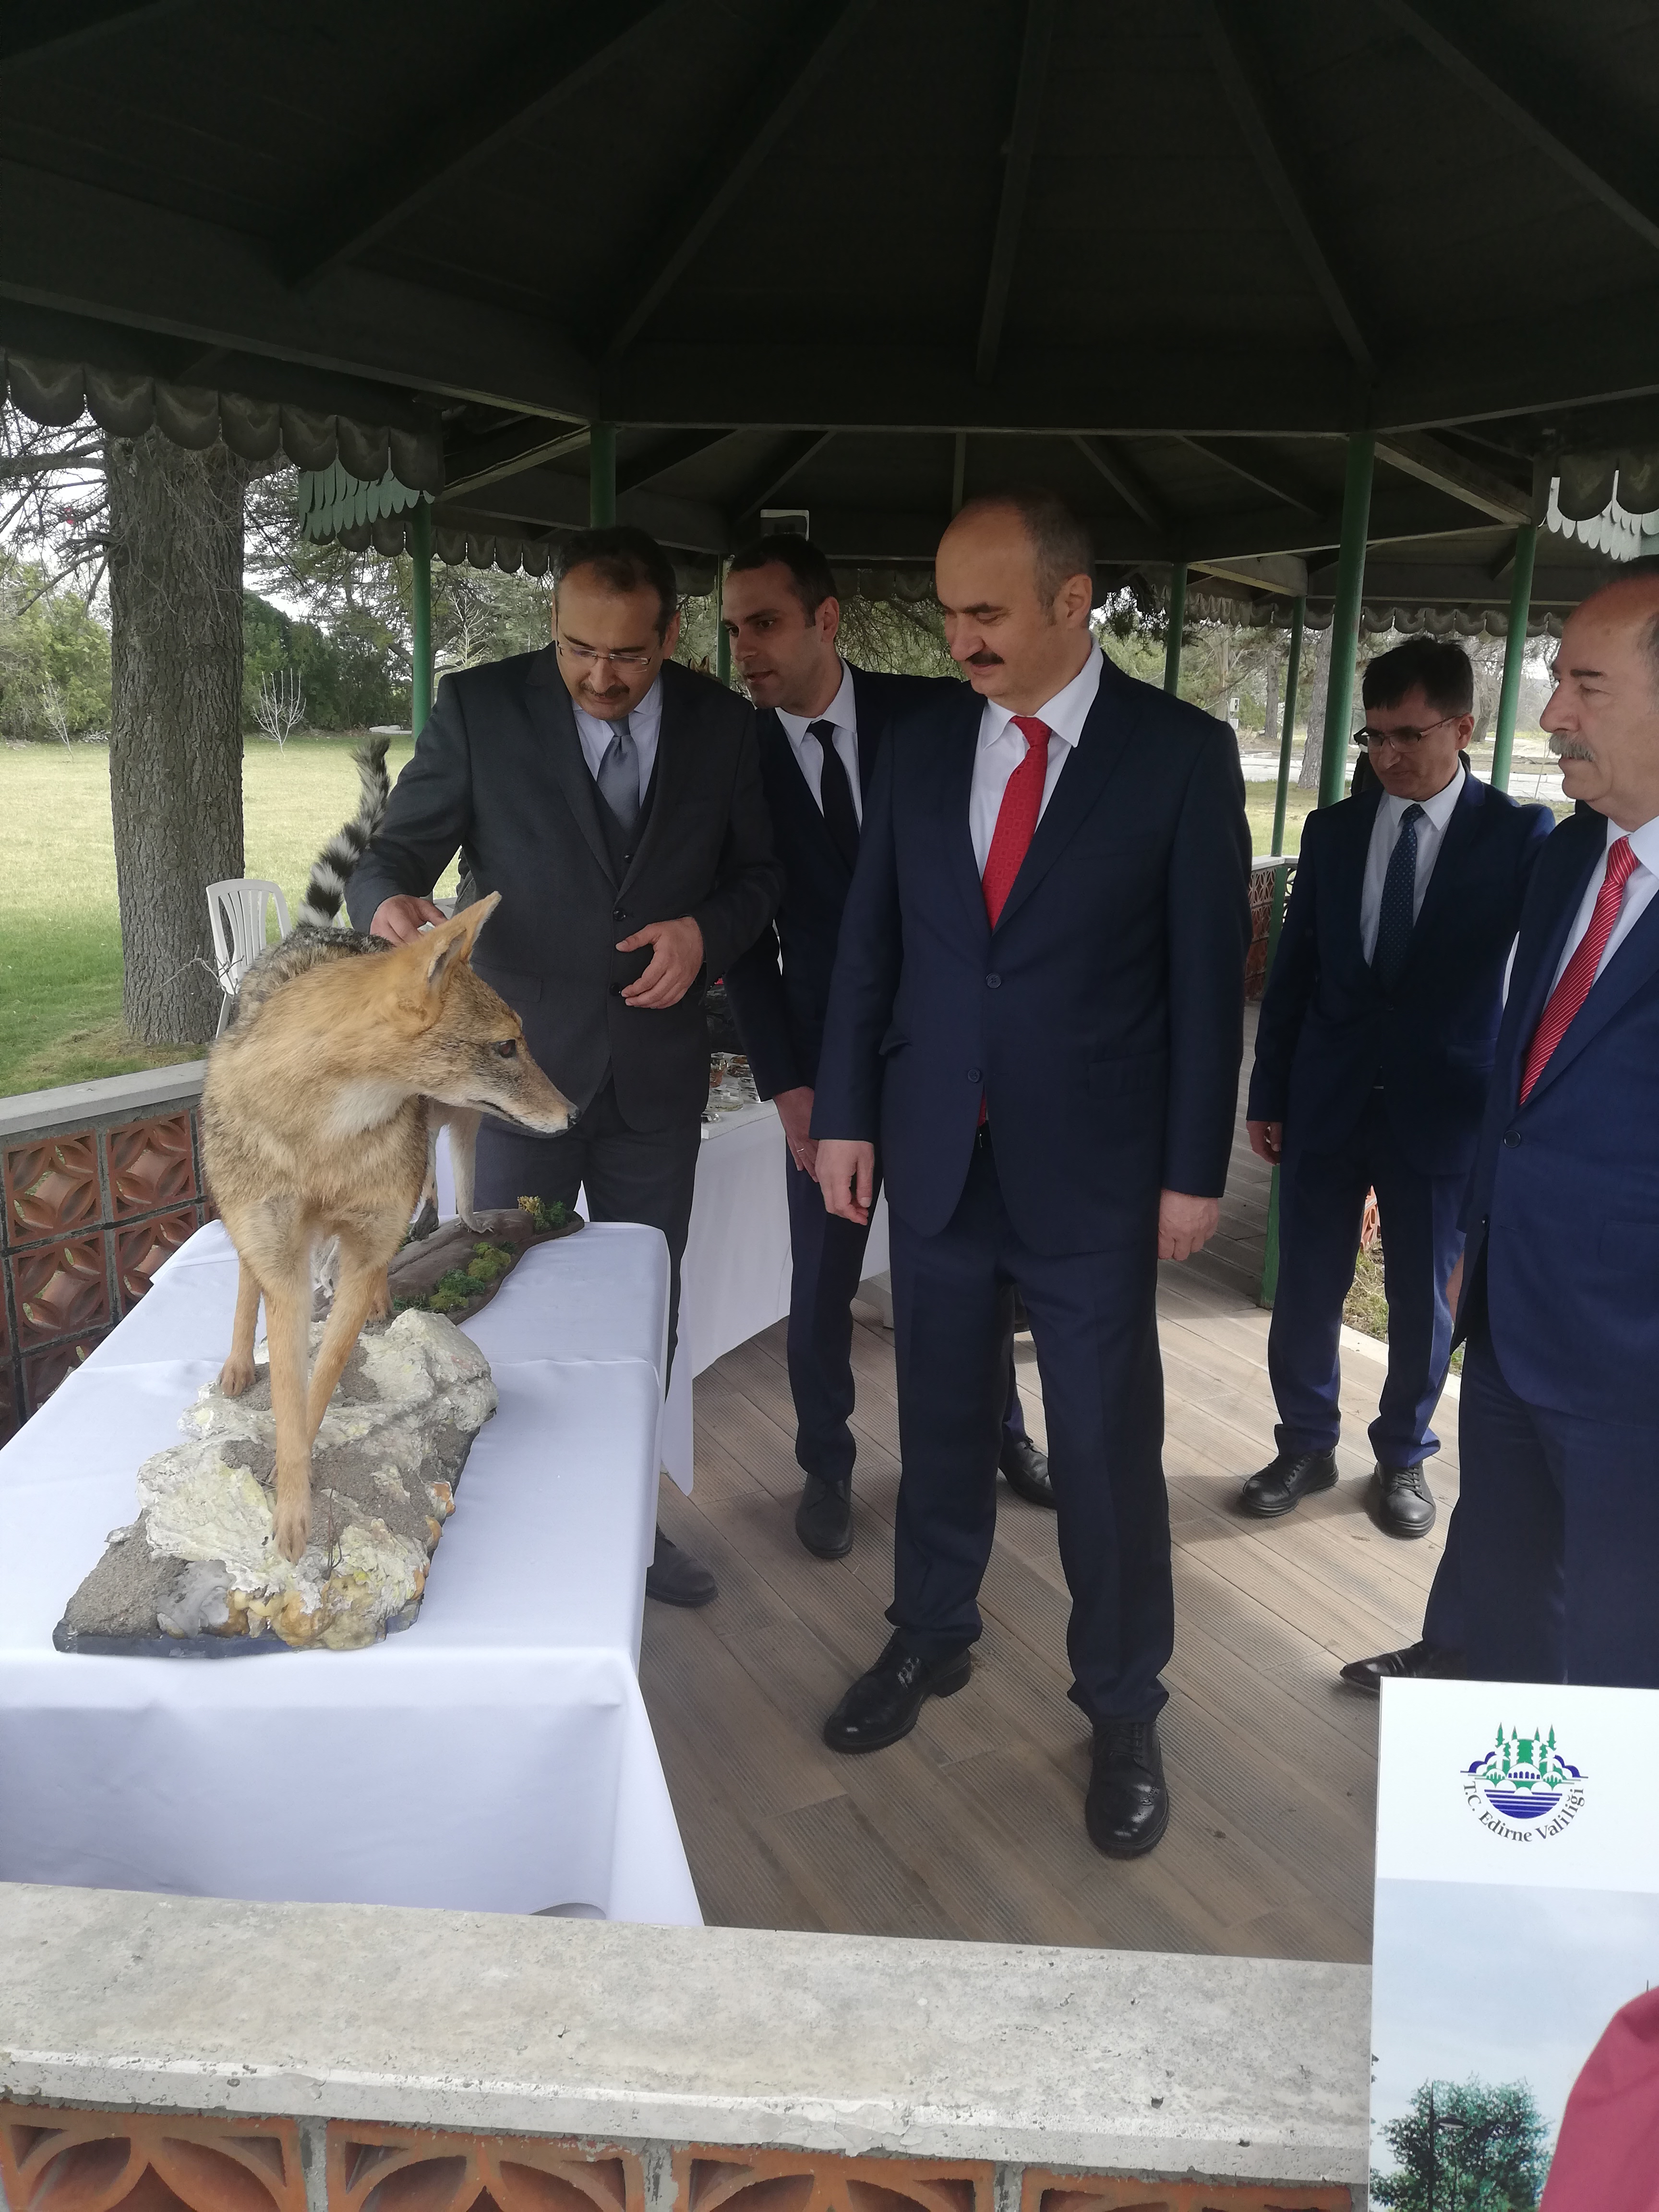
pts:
pixel 314 1125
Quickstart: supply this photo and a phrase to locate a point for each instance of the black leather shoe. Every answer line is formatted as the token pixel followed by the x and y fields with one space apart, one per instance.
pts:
pixel 1402 1505
pixel 1027 1470
pixel 1128 1808
pixel 1417 1662
pixel 1281 1485
pixel 882 1705
pixel 674 1577
pixel 823 1519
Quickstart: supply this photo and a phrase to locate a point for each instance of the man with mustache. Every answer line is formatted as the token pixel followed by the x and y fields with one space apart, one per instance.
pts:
pixel 614 798
pixel 822 725
pixel 1037 1009
pixel 1558 1422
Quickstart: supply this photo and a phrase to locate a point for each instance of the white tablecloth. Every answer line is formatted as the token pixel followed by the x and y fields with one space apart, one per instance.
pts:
pixel 494 1757
pixel 734 1280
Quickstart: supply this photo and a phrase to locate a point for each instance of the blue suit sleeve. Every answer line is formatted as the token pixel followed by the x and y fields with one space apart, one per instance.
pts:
pixel 869 956
pixel 1209 933
pixel 427 817
pixel 1290 989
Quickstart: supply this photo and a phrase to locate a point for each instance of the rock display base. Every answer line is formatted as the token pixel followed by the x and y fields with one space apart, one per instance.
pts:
pixel 198 1572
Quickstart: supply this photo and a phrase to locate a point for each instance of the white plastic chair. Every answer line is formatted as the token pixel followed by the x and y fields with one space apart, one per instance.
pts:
pixel 236 915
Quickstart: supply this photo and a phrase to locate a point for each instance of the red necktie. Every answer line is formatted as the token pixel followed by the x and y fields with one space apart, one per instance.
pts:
pixel 1017 816
pixel 1574 988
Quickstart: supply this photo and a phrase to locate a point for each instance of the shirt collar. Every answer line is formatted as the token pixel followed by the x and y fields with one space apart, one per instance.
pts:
pixel 842 711
pixel 1438 808
pixel 1065 713
pixel 1644 841
pixel 642 719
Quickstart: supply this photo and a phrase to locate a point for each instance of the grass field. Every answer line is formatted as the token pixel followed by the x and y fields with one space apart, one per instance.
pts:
pixel 60 937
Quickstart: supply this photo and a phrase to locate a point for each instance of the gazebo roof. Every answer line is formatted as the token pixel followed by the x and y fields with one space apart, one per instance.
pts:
pixel 857 259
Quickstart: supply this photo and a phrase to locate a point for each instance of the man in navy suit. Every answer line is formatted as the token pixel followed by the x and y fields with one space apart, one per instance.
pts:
pixel 1559 1423
pixel 1037 1009
pixel 821 725
pixel 1373 1052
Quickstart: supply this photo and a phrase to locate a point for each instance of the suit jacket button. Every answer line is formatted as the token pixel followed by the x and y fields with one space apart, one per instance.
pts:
pixel 994 982
pixel 1511 1136
pixel 618 915
pixel 974 1075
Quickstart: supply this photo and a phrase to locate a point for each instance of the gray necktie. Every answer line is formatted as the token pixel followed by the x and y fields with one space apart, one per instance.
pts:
pixel 618 778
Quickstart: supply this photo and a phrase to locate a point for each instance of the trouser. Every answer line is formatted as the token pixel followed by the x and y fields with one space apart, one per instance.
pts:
pixel 1443 1624
pixel 1560 1528
pixel 827 1253
pixel 1095 1329
pixel 648 1176
pixel 1322 1201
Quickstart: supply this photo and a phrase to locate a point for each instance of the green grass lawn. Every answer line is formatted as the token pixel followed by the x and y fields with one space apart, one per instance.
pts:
pixel 60 937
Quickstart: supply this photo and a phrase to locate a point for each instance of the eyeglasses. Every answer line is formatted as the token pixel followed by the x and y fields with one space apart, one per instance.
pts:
pixel 587 654
pixel 1366 737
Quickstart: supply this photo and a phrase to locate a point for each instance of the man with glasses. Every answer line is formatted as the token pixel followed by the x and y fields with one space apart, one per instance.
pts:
pixel 1373 1053
pixel 614 799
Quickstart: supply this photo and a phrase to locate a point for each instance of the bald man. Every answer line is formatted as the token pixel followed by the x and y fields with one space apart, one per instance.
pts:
pixel 1558 1417
pixel 1037 1009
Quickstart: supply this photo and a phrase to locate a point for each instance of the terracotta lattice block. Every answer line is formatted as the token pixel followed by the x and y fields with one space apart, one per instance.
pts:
pixel 63 2162
pixel 803 2181
pixel 52 1188
pixel 151 1165
pixel 140 1251
pixel 375 2169
pixel 62 1290
pixel 44 1370
pixel 9 1414
pixel 1074 2192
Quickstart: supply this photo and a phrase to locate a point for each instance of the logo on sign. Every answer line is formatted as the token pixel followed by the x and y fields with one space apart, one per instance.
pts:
pixel 1523 1788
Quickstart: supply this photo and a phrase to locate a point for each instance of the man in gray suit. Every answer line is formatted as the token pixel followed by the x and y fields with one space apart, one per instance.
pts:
pixel 614 799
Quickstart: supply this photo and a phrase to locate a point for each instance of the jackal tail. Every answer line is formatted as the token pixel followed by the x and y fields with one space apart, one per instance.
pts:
pixel 331 870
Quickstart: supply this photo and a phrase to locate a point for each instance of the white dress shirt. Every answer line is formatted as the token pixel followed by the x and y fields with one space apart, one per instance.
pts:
pixel 1002 747
pixel 644 721
pixel 843 712
pixel 1640 885
pixel 1385 835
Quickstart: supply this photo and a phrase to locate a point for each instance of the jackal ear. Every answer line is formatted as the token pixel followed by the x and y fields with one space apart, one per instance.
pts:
pixel 446 947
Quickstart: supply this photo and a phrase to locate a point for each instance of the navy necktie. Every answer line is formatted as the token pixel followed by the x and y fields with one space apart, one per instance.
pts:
pixel 836 795
pixel 1398 910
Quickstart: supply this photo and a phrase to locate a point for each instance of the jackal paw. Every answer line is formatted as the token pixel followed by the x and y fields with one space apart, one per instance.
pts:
pixel 292 1520
pixel 236 1375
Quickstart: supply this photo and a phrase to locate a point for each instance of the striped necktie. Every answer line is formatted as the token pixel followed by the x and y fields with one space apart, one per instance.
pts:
pixel 1580 972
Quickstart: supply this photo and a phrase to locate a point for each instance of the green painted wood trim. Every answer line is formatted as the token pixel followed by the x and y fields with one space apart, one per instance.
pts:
pixel 420 673
pixel 1293 678
pixel 1515 654
pixel 1344 618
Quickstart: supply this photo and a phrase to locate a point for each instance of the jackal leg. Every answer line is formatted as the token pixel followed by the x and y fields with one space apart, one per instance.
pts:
pixel 363 1254
pixel 237 1373
pixel 463 1126
pixel 288 1331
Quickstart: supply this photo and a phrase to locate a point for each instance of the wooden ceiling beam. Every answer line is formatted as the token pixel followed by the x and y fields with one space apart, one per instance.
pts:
pixel 358 209
pixel 1221 452
pixel 1108 457
pixel 777 473
pixel 1528 93
pixel 472 464
pixel 29 32
pixel 815 38
pixel 1432 461
pixel 664 454
pixel 1033 52
pixel 1256 105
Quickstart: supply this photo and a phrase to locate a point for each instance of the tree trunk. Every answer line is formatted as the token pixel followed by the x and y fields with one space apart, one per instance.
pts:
pixel 175 748
pixel 1313 748
pixel 1270 730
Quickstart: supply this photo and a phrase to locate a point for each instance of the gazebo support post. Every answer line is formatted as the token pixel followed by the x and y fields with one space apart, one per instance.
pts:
pixel 1177 617
pixel 420 597
pixel 1344 616
pixel 1276 911
pixel 722 641
pixel 1515 654
pixel 602 475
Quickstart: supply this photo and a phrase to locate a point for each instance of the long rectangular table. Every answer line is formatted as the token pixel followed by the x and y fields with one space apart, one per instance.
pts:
pixel 497 1757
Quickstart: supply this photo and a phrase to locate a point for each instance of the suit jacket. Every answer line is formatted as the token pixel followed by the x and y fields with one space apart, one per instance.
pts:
pixel 1563 1205
pixel 498 771
pixel 780 988
pixel 1101 1019
pixel 1327 1031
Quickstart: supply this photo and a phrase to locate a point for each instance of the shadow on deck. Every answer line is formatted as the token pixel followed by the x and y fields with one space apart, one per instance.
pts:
pixel 972 1827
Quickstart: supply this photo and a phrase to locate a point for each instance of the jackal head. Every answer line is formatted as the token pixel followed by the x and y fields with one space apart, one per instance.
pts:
pixel 467 1048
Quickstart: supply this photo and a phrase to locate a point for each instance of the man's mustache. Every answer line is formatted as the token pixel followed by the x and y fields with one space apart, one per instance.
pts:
pixel 1568 749
pixel 985 658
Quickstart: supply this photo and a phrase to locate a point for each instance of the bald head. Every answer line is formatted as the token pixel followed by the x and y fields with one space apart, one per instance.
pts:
pixel 1014 576
pixel 1603 715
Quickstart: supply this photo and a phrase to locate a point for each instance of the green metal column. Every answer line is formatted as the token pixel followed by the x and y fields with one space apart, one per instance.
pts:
pixel 722 642
pixel 1293 678
pixel 1344 616
pixel 602 475
pixel 1515 652
pixel 1177 617
pixel 420 673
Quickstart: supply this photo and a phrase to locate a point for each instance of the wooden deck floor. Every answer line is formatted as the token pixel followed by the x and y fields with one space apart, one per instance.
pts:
pixel 972 1827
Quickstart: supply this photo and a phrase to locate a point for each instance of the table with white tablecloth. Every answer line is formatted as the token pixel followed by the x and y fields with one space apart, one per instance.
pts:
pixel 734 1280
pixel 496 1756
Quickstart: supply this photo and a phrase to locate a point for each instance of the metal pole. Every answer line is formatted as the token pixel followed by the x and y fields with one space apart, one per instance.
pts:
pixel 1515 652
pixel 1293 678
pixel 1344 616
pixel 420 672
pixel 602 475
pixel 1177 617
pixel 722 638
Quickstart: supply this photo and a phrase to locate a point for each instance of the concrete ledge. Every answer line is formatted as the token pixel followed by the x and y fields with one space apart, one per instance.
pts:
pixel 1108 2062
pixel 110 1098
